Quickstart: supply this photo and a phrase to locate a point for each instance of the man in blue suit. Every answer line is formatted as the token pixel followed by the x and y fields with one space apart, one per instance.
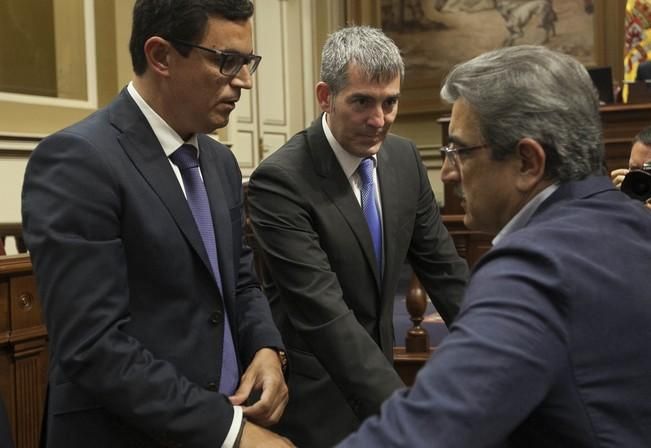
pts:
pixel 158 330
pixel 551 345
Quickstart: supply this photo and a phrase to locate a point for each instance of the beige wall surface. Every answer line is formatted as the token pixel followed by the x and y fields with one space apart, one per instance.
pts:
pixel 11 182
pixel 112 24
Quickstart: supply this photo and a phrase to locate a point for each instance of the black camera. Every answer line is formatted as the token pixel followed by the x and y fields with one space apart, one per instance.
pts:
pixel 637 183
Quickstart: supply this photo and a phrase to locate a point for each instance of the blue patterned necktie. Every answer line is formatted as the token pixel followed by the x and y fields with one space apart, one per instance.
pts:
pixel 369 207
pixel 185 158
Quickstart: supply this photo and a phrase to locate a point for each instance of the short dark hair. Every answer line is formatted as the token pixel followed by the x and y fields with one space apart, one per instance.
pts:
pixel 180 20
pixel 644 136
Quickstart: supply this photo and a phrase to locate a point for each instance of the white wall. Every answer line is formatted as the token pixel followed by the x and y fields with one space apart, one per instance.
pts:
pixel 11 183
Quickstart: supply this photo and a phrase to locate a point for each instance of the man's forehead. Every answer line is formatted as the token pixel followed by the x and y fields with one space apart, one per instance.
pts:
pixel 369 91
pixel 372 89
pixel 642 148
pixel 463 121
pixel 640 153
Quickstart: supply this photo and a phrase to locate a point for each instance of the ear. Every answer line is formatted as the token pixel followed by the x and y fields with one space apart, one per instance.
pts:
pixel 157 52
pixel 324 96
pixel 531 168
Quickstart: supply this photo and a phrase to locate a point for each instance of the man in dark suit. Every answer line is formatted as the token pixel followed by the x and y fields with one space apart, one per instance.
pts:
pixel 551 346
pixel 333 266
pixel 134 222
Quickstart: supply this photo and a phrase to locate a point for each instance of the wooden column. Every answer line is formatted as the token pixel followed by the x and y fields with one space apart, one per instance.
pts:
pixel 23 350
pixel 409 359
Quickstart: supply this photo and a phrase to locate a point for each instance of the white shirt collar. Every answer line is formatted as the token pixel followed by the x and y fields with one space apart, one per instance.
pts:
pixel 169 139
pixel 521 218
pixel 348 162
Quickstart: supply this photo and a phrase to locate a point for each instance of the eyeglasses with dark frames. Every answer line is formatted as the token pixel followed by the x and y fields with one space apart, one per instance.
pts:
pixel 230 62
pixel 453 152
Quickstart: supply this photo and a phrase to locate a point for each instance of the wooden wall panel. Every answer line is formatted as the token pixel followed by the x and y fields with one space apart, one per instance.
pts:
pixel 23 350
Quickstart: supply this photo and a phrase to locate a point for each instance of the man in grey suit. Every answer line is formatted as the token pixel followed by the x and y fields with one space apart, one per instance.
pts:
pixel 159 332
pixel 334 240
pixel 551 346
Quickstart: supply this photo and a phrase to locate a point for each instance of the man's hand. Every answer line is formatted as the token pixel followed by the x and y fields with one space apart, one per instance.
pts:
pixel 264 373
pixel 617 176
pixel 253 436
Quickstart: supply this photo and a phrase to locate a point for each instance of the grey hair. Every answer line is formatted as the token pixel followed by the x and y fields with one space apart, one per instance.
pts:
pixel 369 48
pixel 532 92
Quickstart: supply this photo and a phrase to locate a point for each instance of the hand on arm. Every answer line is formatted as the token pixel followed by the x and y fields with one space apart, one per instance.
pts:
pixel 264 373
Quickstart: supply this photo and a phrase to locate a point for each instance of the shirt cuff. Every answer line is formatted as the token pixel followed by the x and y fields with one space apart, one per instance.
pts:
pixel 231 437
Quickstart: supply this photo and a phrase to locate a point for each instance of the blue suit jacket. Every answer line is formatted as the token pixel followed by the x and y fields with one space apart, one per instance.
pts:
pixel 134 315
pixel 551 346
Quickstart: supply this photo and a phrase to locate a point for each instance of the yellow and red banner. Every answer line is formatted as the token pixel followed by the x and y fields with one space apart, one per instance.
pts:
pixel 637 39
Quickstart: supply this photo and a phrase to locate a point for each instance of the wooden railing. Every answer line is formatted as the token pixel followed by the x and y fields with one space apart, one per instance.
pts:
pixel 470 245
pixel 23 337
pixel 14 230
pixel 23 350
pixel 409 359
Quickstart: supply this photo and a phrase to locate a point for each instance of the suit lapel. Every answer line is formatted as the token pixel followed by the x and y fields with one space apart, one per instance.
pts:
pixel 144 150
pixel 390 197
pixel 336 186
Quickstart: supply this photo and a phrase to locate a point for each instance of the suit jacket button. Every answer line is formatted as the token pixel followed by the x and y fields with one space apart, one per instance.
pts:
pixel 216 318
pixel 212 387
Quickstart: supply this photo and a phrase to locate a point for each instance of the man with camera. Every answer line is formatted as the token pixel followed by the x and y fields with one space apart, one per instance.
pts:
pixel 636 180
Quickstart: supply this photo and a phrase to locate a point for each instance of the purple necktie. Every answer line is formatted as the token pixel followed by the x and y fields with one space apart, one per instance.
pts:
pixel 369 207
pixel 185 158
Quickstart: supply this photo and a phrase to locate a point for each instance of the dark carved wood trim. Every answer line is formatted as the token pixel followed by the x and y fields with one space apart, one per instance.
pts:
pixel 23 350
pixel 408 364
pixel 15 264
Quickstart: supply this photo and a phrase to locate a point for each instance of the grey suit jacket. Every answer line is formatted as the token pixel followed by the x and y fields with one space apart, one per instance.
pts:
pixel 333 307
pixel 133 312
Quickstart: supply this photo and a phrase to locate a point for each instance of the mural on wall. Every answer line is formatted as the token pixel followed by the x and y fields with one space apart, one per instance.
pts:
pixel 434 35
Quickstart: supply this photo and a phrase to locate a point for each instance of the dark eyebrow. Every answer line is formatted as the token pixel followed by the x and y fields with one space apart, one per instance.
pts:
pixel 233 51
pixel 227 50
pixel 357 96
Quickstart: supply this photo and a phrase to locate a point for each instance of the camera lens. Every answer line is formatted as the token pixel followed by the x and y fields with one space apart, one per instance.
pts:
pixel 637 185
pixel 640 188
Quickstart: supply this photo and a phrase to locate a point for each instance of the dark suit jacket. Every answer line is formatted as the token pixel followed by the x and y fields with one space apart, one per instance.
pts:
pixel 6 441
pixel 551 347
pixel 333 307
pixel 134 315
